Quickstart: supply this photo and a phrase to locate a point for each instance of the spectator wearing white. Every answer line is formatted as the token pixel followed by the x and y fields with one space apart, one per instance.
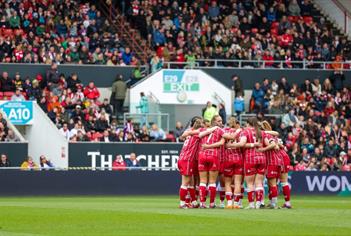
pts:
pixel 65 131
pixel 45 163
pixel 106 138
pixel 11 137
pixel 156 133
pixel 290 118
pixel 274 88
pixel 77 127
pixel 18 97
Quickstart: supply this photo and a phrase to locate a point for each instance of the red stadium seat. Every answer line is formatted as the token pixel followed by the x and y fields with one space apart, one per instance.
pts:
pixel 294 18
pixel 1 95
pixel 308 19
pixel 8 94
pixel 8 33
pixel 275 25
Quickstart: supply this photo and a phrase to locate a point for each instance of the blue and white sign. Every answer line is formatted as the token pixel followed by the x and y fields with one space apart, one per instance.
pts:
pixel 19 113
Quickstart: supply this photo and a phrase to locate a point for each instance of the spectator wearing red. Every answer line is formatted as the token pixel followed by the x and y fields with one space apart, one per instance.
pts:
pixel 268 59
pixel 287 39
pixel 301 166
pixel 119 163
pixel 91 91
pixel 330 109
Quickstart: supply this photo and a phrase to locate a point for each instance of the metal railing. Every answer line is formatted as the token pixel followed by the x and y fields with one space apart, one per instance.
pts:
pixel 147 118
pixel 244 117
pixel 261 64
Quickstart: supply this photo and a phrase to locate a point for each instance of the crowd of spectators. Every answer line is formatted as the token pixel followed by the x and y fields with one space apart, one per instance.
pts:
pixel 314 116
pixel 59 31
pixel 286 30
pixel 315 123
pixel 181 31
pixel 78 110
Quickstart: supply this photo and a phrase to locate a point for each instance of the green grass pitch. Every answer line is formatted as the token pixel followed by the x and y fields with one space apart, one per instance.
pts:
pixel 29 216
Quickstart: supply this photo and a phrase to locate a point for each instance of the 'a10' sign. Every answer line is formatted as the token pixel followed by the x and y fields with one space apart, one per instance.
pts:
pixel 19 113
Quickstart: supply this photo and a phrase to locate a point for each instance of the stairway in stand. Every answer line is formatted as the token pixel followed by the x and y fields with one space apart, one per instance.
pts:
pixel 131 37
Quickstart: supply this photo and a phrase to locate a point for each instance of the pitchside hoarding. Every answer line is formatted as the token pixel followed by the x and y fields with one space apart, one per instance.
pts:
pixel 164 156
pixel 85 182
pixel 16 152
pixel 320 183
pixel 101 155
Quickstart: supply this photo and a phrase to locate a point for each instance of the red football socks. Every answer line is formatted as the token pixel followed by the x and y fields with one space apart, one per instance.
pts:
pixel 286 192
pixel 191 191
pixel 183 191
pixel 212 190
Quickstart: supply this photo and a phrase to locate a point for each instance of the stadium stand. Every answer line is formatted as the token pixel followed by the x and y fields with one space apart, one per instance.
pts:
pixel 185 31
pixel 315 117
pixel 72 32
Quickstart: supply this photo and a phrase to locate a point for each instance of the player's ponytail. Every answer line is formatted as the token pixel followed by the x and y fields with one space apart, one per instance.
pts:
pixel 265 125
pixel 197 123
pixel 253 122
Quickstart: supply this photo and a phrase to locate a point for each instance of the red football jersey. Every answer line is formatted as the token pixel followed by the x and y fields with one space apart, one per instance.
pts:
pixel 190 148
pixel 284 156
pixel 212 138
pixel 235 154
pixel 272 156
pixel 251 156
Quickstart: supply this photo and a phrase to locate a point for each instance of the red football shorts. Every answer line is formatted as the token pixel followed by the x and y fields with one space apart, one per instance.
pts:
pixel 253 169
pixel 232 168
pixel 186 167
pixel 273 172
pixel 285 169
pixel 208 163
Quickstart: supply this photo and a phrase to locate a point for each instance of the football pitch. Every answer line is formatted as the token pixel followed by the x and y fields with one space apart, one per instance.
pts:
pixel 29 216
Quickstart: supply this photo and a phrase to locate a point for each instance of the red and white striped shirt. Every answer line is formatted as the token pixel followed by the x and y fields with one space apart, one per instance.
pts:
pixel 235 154
pixel 212 138
pixel 284 156
pixel 190 148
pixel 272 156
pixel 251 156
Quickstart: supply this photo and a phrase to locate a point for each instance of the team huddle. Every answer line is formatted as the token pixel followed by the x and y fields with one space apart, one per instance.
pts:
pixel 232 155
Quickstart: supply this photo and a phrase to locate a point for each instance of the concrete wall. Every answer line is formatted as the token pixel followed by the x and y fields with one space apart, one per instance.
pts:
pixel 44 139
pixel 103 76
